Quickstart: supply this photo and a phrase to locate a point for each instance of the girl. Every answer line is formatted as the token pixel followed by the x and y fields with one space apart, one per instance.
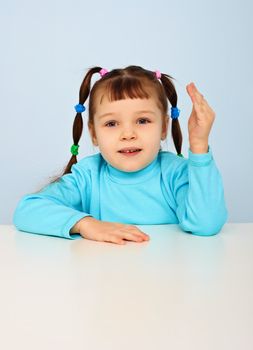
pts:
pixel 131 181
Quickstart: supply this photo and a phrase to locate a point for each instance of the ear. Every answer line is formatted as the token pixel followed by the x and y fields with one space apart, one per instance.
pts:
pixel 165 127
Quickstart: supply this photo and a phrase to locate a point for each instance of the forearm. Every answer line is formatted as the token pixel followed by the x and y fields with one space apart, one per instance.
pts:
pixel 202 209
pixel 43 216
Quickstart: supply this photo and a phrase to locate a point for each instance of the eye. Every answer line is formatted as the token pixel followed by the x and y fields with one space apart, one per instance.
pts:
pixel 110 124
pixel 144 121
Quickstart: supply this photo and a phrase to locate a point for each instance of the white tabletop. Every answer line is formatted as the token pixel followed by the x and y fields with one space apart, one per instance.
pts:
pixel 177 291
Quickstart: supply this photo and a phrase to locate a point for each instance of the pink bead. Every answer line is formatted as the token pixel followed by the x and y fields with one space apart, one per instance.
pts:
pixel 158 74
pixel 103 71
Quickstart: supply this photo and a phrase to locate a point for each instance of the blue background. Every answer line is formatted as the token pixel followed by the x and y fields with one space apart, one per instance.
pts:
pixel 47 47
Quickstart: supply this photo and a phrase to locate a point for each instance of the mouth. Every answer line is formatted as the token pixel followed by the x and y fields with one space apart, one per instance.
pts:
pixel 129 150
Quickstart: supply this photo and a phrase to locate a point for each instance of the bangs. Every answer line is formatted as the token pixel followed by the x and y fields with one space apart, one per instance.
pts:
pixel 128 87
pixel 120 85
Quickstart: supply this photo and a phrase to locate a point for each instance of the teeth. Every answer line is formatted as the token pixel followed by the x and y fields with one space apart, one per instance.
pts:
pixel 134 150
pixel 130 151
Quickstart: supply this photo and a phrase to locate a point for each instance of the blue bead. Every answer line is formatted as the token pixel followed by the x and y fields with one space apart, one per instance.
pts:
pixel 175 112
pixel 79 108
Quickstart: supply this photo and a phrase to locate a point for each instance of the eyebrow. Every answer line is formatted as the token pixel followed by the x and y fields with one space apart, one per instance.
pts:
pixel 138 112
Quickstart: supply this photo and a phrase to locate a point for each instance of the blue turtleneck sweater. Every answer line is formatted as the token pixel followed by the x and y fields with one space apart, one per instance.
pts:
pixel 170 190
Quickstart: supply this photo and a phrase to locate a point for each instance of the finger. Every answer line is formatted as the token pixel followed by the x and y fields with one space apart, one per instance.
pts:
pixel 137 231
pixel 135 234
pixel 198 108
pixel 114 239
pixel 133 237
pixel 203 109
pixel 199 115
pixel 206 105
pixel 195 95
pixel 190 90
pixel 132 227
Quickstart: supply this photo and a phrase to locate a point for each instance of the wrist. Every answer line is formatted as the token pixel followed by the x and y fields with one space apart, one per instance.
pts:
pixel 199 148
pixel 84 221
pixel 84 225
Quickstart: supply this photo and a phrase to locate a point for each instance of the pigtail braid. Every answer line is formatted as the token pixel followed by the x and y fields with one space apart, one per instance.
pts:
pixel 78 121
pixel 172 96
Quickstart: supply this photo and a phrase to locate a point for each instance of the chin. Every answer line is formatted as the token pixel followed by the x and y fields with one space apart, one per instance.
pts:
pixel 130 168
pixel 133 168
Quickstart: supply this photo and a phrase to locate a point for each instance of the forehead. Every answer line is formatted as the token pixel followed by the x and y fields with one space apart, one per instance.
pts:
pixel 105 105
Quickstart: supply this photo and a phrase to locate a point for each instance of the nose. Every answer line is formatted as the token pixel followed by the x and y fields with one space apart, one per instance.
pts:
pixel 128 134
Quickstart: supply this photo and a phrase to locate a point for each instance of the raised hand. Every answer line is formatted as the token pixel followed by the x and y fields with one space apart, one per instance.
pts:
pixel 200 121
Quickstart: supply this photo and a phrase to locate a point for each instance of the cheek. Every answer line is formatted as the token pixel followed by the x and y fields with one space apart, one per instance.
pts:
pixel 104 141
pixel 99 134
pixel 154 134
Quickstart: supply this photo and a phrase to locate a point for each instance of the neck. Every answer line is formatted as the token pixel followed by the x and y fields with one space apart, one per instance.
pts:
pixel 133 176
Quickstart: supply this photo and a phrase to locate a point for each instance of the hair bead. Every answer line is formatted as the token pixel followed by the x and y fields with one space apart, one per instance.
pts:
pixel 74 149
pixel 80 108
pixel 175 112
pixel 158 74
pixel 103 72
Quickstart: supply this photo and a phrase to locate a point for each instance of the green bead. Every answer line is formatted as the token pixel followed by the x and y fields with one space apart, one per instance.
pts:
pixel 74 150
pixel 180 155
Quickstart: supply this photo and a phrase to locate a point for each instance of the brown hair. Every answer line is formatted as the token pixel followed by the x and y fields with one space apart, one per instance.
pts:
pixel 130 82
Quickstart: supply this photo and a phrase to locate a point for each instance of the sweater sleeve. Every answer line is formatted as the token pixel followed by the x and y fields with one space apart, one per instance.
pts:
pixel 54 210
pixel 199 195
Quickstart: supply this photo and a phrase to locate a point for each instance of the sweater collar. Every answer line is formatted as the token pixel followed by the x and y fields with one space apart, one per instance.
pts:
pixel 134 177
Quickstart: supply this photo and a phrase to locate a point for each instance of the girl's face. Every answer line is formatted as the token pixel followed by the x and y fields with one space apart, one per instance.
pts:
pixel 129 123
